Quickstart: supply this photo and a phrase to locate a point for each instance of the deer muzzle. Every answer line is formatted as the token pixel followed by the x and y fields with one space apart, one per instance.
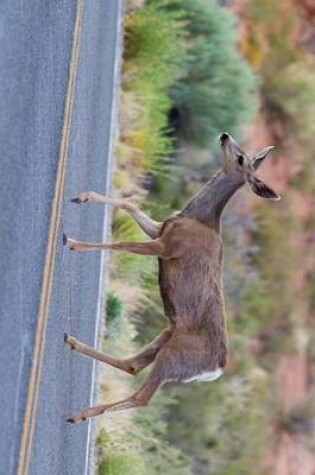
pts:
pixel 224 137
pixel 230 153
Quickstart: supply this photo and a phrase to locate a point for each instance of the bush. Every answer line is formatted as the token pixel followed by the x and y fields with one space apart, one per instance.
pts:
pixel 138 445
pixel 122 464
pixel 216 86
pixel 113 308
pixel 224 428
pixel 208 81
pixel 153 52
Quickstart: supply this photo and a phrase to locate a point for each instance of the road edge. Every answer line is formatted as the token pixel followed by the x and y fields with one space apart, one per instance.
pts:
pixel 101 303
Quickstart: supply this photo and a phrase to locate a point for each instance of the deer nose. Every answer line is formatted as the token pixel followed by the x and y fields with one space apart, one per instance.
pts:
pixel 223 138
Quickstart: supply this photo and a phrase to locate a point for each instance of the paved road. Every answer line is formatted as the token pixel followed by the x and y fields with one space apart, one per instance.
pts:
pixel 36 40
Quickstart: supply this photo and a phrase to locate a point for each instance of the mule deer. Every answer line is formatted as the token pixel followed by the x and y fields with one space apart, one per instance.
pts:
pixel 189 249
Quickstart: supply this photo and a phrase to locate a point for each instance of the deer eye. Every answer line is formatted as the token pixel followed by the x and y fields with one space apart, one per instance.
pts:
pixel 240 160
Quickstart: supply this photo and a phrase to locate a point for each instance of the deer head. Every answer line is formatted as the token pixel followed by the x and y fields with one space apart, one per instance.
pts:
pixel 242 168
pixel 237 169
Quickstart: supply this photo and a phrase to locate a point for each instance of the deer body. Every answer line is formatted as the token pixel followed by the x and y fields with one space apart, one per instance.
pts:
pixel 189 248
pixel 191 290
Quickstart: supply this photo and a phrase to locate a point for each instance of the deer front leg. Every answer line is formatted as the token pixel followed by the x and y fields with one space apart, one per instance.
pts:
pixel 149 226
pixel 146 248
pixel 132 365
pixel 91 352
pixel 140 398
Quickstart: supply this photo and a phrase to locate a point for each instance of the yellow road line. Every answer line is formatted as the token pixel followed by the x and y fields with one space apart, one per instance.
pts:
pixel 48 273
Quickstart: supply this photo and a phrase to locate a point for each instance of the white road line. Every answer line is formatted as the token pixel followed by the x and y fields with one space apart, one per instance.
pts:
pixel 107 221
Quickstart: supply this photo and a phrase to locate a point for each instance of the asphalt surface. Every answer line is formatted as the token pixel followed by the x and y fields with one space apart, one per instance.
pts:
pixel 36 39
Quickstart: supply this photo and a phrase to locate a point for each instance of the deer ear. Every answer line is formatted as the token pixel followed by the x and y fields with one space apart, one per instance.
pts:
pixel 260 156
pixel 260 188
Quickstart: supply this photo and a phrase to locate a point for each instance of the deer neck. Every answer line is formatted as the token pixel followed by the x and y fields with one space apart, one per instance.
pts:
pixel 207 205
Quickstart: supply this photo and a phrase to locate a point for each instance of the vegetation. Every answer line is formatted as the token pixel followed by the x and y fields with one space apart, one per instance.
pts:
pixel 220 425
pixel 135 443
pixel 153 50
pixel 216 87
pixel 288 78
pixel 180 57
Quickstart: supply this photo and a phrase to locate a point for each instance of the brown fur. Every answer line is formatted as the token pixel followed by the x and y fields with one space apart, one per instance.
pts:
pixel 189 248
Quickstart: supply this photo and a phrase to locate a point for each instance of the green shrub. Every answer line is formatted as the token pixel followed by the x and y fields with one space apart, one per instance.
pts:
pixel 139 445
pixel 216 86
pixel 113 308
pixel 122 464
pixel 153 51
pixel 224 427
pixel 186 48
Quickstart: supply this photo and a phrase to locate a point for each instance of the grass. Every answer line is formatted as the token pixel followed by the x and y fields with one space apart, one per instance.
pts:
pixel 135 442
pixel 223 426
pixel 153 49
pixel 130 267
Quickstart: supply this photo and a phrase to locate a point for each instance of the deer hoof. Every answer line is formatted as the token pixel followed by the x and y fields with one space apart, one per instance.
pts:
pixel 79 200
pixel 69 340
pixel 70 420
pixel 83 197
pixel 68 242
pixel 66 340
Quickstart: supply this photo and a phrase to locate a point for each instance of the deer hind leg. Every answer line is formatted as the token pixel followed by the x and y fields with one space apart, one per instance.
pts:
pixel 148 354
pixel 145 248
pixel 140 398
pixel 132 365
pixel 149 226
